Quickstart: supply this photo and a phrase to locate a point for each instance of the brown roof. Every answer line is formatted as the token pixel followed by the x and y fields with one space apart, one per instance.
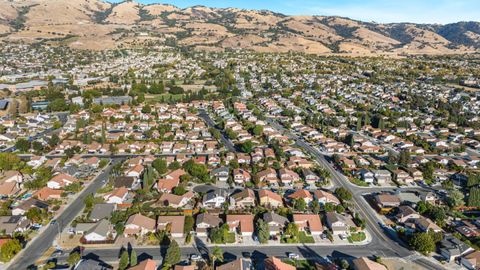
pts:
pixel 142 221
pixel 301 193
pixel 176 223
pixel 268 193
pixel 47 193
pixel 274 263
pixel 238 264
pixel 365 263
pixel 9 188
pixel 311 221
pixel 147 264
pixel 245 222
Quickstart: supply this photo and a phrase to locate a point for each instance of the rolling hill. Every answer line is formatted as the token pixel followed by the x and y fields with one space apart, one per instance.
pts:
pixel 97 25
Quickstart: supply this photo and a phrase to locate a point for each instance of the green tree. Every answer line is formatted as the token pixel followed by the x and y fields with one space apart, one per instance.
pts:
pixel 189 222
pixel 300 204
pixel 9 161
pixel 133 258
pixel 73 258
pixel 263 233
pixel 257 130
pixel 292 230
pixel 315 207
pixel 343 194
pixel 216 255
pixel 160 165
pixel 455 198
pixel 123 263
pixel 423 243
pixel 474 197
pixel 53 140
pixel 23 145
pixel 10 249
pixel 247 147
pixel 173 254
pixel 58 105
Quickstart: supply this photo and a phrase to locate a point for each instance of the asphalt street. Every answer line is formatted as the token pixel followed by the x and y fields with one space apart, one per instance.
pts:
pixel 380 240
pixel 206 117
pixel 41 243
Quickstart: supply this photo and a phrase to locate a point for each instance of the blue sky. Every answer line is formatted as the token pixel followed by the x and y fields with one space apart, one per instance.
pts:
pixel 420 11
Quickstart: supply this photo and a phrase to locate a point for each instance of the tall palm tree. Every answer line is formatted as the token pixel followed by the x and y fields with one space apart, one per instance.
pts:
pixel 217 254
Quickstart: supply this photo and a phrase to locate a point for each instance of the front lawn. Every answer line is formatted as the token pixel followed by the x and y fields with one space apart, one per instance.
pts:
pixel 302 238
pixel 305 239
pixel 357 237
pixel 230 238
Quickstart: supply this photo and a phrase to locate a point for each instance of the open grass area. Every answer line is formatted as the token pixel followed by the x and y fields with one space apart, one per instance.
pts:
pixel 163 97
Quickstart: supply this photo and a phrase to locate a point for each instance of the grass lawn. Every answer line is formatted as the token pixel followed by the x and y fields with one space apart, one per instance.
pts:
pixel 165 97
pixel 231 238
pixel 357 237
pixel 358 182
pixel 305 239
pixel 300 264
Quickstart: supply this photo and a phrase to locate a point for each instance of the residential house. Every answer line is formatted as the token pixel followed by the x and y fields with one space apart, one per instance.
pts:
pixel 367 176
pixel 406 213
pixel 288 177
pixel 221 174
pixel 324 197
pixel 241 176
pixel 309 223
pixel 205 222
pixel 382 177
pixel 238 264
pixel 139 224
pixel 451 248
pixel 309 176
pixel 276 223
pixel 269 198
pixel 12 224
pixel 28 204
pixel 242 224
pixel 386 202
pixel 61 180
pixel 301 194
pixel 471 261
pixel 170 181
pixel 365 263
pixel 215 198
pixel 147 264
pixel 117 196
pixel 174 223
pixel 102 210
pixel 46 193
pixel 274 263
pixel 176 201
pixel 102 231
pixel 242 199
pixel 338 223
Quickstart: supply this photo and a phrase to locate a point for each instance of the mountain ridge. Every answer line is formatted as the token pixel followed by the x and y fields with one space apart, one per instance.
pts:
pixel 96 24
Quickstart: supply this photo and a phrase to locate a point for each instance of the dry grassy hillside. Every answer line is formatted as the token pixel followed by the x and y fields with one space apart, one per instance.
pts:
pixel 95 24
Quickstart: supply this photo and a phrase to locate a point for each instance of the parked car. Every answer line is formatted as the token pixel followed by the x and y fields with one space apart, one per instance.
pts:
pixel 293 256
pixel 195 257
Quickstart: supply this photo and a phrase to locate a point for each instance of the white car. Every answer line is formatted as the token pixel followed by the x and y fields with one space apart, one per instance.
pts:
pixel 293 256
pixel 195 257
